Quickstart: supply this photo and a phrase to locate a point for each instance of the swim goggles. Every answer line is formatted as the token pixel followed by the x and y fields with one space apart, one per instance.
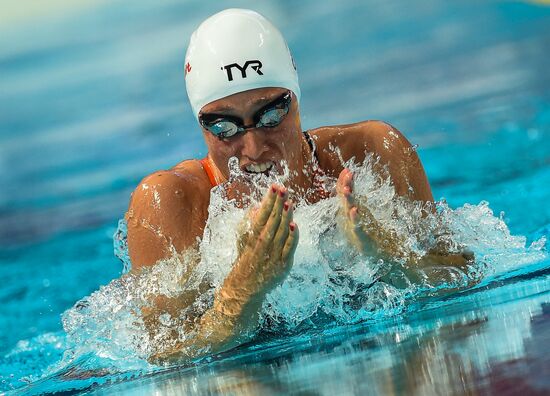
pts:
pixel 268 117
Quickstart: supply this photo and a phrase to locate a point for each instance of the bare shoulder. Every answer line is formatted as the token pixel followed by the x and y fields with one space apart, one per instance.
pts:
pixel 340 143
pixel 343 142
pixel 167 212
pixel 186 181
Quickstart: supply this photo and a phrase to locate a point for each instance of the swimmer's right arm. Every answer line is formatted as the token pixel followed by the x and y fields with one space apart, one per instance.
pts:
pixel 166 216
pixel 265 258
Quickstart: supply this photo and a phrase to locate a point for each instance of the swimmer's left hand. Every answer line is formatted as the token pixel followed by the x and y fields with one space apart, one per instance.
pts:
pixel 352 227
pixel 363 231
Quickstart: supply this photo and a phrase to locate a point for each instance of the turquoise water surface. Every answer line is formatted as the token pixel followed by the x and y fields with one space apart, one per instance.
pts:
pixel 92 99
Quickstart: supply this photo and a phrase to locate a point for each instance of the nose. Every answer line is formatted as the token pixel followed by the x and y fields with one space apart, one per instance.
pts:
pixel 253 144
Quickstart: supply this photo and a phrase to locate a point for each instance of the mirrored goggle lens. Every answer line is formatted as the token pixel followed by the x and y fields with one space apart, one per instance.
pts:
pixel 222 128
pixel 272 117
pixel 269 118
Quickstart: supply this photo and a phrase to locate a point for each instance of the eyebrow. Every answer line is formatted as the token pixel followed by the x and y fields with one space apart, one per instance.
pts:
pixel 216 114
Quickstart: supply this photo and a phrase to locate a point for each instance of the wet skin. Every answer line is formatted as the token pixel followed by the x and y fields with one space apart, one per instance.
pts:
pixel 169 209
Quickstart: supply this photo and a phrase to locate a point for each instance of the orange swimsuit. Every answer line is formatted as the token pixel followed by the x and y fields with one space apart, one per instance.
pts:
pixel 205 162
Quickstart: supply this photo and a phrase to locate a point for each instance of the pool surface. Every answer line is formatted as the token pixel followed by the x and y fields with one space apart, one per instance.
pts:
pixel 92 99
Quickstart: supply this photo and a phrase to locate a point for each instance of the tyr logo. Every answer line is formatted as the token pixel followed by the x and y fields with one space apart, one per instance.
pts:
pixel 256 65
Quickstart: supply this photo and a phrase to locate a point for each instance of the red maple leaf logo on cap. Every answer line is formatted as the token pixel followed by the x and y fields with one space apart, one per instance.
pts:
pixel 187 68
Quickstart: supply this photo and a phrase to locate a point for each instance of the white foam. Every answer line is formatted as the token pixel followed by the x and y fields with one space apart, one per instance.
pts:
pixel 329 281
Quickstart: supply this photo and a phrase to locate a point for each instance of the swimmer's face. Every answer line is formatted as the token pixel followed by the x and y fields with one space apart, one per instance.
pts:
pixel 257 149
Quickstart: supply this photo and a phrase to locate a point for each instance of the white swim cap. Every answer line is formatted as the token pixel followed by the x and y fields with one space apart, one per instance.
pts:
pixel 233 51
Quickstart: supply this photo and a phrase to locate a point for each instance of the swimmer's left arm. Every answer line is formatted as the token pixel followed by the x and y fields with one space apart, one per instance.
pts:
pixel 409 179
pixel 397 158
pixel 367 235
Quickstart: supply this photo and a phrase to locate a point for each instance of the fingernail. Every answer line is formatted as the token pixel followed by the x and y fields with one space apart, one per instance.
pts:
pixel 292 226
pixel 282 193
pixel 286 206
pixel 274 189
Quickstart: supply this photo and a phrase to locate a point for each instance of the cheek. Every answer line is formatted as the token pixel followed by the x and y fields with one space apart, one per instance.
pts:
pixel 292 127
pixel 289 138
pixel 285 139
pixel 221 154
pixel 219 151
pixel 285 146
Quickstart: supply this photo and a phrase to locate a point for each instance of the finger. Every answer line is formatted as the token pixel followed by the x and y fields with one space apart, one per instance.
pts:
pixel 272 224
pixel 349 180
pixel 266 207
pixel 344 188
pixel 347 202
pixel 342 180
pixel 291 242
pixel 282 232
pixel 347 177
pixel 348 185
pixel 253 213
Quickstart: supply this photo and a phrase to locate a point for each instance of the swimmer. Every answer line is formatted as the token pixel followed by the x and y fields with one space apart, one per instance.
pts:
pixel 243 88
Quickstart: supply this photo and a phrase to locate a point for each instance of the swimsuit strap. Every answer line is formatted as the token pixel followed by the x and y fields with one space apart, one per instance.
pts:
pixel 319 175
pixel 311 145
pixel 205 162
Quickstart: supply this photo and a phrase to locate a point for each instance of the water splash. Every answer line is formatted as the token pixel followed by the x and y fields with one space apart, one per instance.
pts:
pixel 120 246
pixel 329 281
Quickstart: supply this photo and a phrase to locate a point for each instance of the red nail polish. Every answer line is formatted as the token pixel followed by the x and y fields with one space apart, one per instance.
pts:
pixel 282 193
pixel 292 226
pixel 274 189
pixel 286 206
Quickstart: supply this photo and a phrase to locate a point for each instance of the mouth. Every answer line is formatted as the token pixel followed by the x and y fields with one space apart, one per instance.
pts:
pixel 261 168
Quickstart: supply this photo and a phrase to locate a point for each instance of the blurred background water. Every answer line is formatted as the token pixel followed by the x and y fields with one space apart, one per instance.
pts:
pixel 92 99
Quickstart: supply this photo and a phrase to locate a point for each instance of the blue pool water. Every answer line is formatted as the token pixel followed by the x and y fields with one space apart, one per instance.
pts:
pixel 92 99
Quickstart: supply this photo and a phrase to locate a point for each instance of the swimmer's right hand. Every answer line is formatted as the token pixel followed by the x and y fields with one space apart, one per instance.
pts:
pixel 266 253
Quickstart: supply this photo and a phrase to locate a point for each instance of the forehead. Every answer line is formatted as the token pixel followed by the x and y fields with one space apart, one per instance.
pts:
pixel 244 101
